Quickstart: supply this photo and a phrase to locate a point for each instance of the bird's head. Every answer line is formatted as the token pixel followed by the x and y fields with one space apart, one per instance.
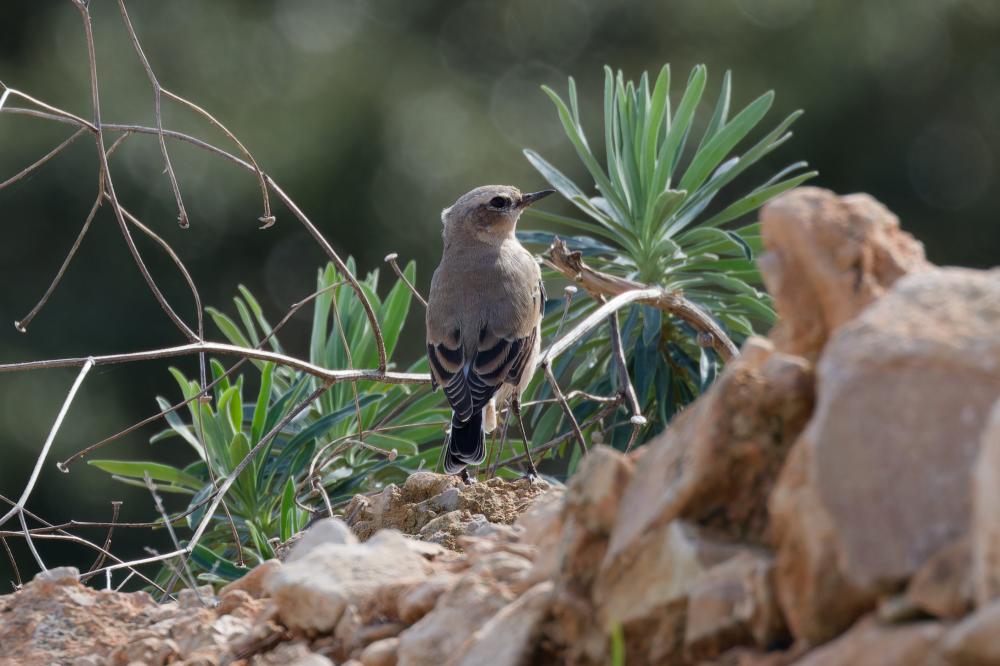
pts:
pixel 488 213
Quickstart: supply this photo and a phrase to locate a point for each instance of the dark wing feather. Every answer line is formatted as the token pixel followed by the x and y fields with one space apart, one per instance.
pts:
pixel 469 384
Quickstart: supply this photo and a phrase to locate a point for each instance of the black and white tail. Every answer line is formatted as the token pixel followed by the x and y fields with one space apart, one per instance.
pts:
pixel 465 444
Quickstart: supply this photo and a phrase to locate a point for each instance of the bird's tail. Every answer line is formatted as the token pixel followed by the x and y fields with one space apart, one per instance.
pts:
pixel 465 444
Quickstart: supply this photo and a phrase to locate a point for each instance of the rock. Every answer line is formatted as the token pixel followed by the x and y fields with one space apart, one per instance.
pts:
pixel 440 508
pixel 508 638
pixel 817 601
pixel 731 604
pixel 975 641
pixel 879 480
pixel 54 619
pixel 717 463
pixel 459 612
pixel 675 556
pixel 421 598
pixel 58 576
pixel 255 581
pixel 154 651
pixel 312 592
pixel 986 513
pixel 870 644
pixel 594 492
pixel 942 587
pixel 542 526
pixel 328 530
pixel 826 258
pixel 380 653
pixel 196 597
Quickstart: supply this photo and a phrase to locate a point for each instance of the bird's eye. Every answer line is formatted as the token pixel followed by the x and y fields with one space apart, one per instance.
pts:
pixel 499 202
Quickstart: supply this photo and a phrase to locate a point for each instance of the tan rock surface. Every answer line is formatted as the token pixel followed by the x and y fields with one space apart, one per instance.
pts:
pixel 942 587
pixel 827 257
pixel 869 643
pixel 879 479
pixel 975 641
pixel 312 592
pixel 509 637
pixel 986 513
pixel 732 604
pixel 56 619
pixel 717 463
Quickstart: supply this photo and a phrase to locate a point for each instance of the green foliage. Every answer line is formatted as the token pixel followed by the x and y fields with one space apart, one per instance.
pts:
pixel 403 427
pixel 652 222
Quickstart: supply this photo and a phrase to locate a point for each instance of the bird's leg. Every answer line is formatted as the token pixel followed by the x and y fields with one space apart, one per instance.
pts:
pixel 515 406
pixel 503 441
pixel 465 476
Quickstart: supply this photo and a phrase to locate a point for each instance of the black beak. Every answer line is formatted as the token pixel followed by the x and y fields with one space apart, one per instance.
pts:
pixel 532 197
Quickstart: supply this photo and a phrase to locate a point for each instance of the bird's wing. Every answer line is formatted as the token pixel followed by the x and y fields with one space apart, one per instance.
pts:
pixel 469 383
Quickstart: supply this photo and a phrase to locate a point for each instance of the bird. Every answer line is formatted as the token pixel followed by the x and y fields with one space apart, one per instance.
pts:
pixel 484 314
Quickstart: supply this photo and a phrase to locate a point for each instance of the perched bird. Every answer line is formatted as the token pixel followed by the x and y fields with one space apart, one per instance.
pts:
pixel 484 317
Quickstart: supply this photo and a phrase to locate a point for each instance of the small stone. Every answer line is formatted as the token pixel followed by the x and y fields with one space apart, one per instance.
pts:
pixel 328 530
pixel 255 581
pixel 58 576
pixel 380 653
pixel 975 640
pixel 509 637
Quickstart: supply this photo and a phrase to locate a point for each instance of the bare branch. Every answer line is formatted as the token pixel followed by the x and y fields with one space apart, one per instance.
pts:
pixel 572 266
pixel 182 216
pixel 391 259
pixel 38 163
pixel 334 376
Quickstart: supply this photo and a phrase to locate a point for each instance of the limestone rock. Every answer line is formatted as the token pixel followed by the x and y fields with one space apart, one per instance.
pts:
pixel 459 612
pixel 717 463
pixel 675 556
pixel 827 257
pixel 942 587
pixel 594 492
pixel 312 592
pixel 508 638
pixel 986 513
pixel 818 602
pixel 55 619
pixel 879 480
pixel 976 639
pixel 328 530
pixel 732 604
pixel 380 653
pixel 870 644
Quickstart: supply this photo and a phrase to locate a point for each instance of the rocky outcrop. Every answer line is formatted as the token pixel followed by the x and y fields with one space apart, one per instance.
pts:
pixel 886 462
pixel 831 500
pixel 826 259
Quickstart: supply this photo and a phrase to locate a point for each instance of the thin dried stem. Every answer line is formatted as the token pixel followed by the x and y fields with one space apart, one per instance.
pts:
pixel 334 376
pixel 115 508
pixel 391 260
pixel 22 324
pixel 18 507
pixel 625 387
pixel 38 163
pixel 182 216
pixel 13 564
pixel 566 408
pixel 108 182
pixel 183 570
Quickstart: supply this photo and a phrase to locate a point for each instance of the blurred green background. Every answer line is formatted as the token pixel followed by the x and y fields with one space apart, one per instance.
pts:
pixel 375 114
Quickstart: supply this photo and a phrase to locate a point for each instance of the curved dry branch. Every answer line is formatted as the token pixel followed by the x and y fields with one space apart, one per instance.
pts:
pixel 572 266
pixel 334 376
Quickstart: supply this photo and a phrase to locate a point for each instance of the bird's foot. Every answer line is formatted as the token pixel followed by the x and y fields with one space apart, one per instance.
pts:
pixel 466 477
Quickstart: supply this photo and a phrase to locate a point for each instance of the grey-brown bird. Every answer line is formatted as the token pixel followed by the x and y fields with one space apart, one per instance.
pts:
pixel 484 317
